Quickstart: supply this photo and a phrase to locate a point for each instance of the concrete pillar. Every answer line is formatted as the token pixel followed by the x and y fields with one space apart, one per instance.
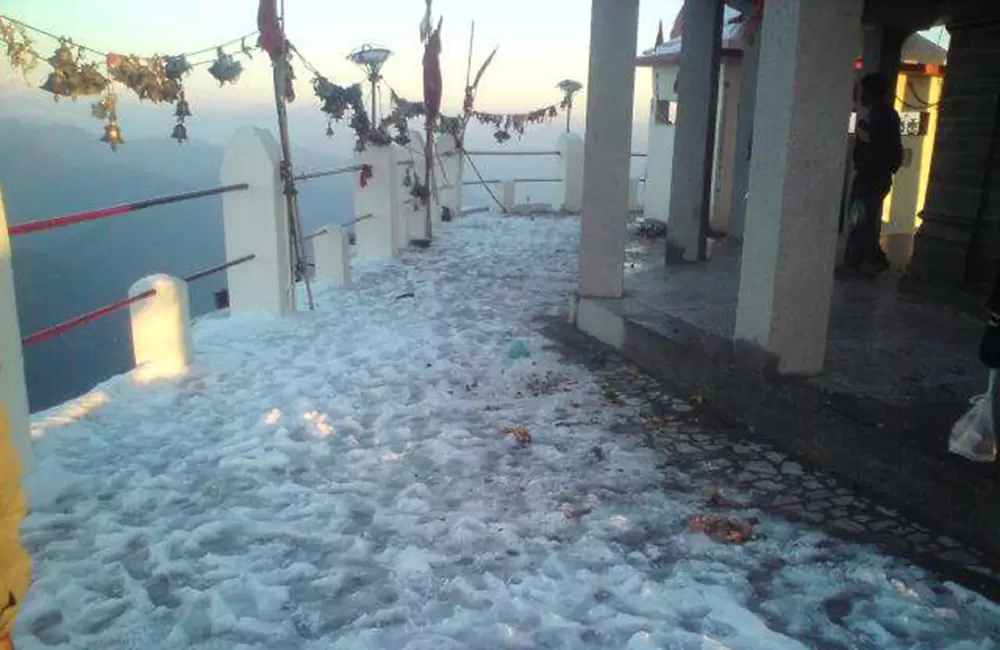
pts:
pixel 725 151
pixel 634 197
pixel 571 150
pixel 508 195
pixel 161 328
pixel 882 49
pixel 13 387
pixel 411 213
pixel 803 102
pixel 332 253
pixel 744 134
pixel 256 222
pixel 449 173
pixel 694 142
pixel 377 235
pixel 611 81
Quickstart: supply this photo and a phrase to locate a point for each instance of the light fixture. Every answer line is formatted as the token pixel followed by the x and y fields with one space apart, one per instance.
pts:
pixel 371 58
pixel 569 87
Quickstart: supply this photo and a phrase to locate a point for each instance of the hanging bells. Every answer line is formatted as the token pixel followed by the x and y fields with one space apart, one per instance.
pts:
pixel 113 136
pixel 182 110
pixel 175 67
pixel 105 108
pixel 179 133
pixel 502 136
pixel 70 78
pixel 225 68
pixel 329 130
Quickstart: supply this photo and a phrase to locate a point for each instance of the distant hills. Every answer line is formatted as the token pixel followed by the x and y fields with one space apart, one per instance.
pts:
pixel 48 170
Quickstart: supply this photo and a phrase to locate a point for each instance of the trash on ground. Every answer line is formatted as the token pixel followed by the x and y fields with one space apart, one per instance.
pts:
pixel 724 530
pixel 520 434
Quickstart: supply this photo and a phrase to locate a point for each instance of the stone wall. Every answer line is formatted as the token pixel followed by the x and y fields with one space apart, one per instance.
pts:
pixel 958 244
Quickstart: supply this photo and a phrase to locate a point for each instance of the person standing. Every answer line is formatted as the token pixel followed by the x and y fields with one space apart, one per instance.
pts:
pixel 877 156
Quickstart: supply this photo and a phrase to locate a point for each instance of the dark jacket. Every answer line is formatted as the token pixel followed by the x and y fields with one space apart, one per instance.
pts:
pixel 882 155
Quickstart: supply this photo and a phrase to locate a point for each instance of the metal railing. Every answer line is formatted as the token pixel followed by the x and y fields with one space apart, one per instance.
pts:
pixel 75 218
pixel 91 316
pixel 308 176
pixel 512 180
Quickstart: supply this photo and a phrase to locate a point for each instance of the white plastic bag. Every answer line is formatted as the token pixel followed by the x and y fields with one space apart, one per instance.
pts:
pixel 974 435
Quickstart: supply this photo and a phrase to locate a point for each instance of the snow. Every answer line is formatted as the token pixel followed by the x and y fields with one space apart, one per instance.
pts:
pixel 339 479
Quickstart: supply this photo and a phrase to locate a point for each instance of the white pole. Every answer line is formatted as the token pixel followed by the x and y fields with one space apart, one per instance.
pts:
pixel 161 327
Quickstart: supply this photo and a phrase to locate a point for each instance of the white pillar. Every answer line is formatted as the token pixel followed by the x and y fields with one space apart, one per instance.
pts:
pixel 401 228
pixel 634 202
pixel 744 134
pixel 409 209
pixel 610 90
pixel 571 150
pixel 255 222
pixel 694 141
pixel 13 389
pixel 508 195
pixel 803 102
pixel 376 236
pixel 161 332
pixel 332 254
pixel 449 174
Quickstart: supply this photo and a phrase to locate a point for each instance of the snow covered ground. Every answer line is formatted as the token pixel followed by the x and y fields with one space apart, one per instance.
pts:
pixel 340 479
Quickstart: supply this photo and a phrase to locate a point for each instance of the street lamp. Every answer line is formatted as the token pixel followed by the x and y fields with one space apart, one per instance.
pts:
pixel 569 88
pixel 370 58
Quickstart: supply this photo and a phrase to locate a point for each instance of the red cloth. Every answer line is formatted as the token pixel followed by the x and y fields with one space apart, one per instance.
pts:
pixel 270 39
pixel 432 75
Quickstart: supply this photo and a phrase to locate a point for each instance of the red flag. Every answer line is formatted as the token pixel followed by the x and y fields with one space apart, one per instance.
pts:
pixel 678 29
pixel 659 35
pixel 432 75
pixel 270 39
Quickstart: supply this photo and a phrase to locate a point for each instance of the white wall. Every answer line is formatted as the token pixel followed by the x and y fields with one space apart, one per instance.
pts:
pixel 660 158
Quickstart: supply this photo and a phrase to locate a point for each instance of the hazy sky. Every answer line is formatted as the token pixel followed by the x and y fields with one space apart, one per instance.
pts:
pixel 541 41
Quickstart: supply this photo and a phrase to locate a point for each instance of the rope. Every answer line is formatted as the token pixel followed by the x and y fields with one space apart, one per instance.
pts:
pixel 476 169
pixel 55 37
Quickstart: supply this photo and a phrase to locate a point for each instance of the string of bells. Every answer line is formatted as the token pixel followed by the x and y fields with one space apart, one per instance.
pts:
pixel 78 71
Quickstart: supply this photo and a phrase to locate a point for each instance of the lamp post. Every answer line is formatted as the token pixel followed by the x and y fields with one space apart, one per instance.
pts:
pixel 371 58
pixel 569 88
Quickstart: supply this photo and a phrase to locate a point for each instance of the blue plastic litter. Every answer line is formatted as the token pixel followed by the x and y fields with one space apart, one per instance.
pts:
pixel 518 350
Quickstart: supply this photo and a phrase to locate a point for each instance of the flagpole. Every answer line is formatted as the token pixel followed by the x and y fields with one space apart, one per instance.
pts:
pixel 296 246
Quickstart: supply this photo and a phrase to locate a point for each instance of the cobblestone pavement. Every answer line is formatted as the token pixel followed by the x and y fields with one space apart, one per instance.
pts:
pixel 694 440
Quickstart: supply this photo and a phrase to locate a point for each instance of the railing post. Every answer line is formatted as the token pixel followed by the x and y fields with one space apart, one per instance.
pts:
pixel 377 235
pixel 161 332
pixel 634 203
pixel 449 173
pixel 508 195
pixel 331 252
pixel 256 222
pixel 13 388
pixel 571 148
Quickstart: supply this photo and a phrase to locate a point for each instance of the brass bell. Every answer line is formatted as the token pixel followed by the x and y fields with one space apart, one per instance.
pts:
pixel 113 136
pixel 329 130
pixel 182 109
pixel 180 133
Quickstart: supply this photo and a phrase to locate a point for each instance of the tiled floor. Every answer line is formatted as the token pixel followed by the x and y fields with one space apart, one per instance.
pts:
pixel 695 446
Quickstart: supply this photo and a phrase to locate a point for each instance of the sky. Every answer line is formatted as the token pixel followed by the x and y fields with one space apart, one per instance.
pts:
pixel 540 43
